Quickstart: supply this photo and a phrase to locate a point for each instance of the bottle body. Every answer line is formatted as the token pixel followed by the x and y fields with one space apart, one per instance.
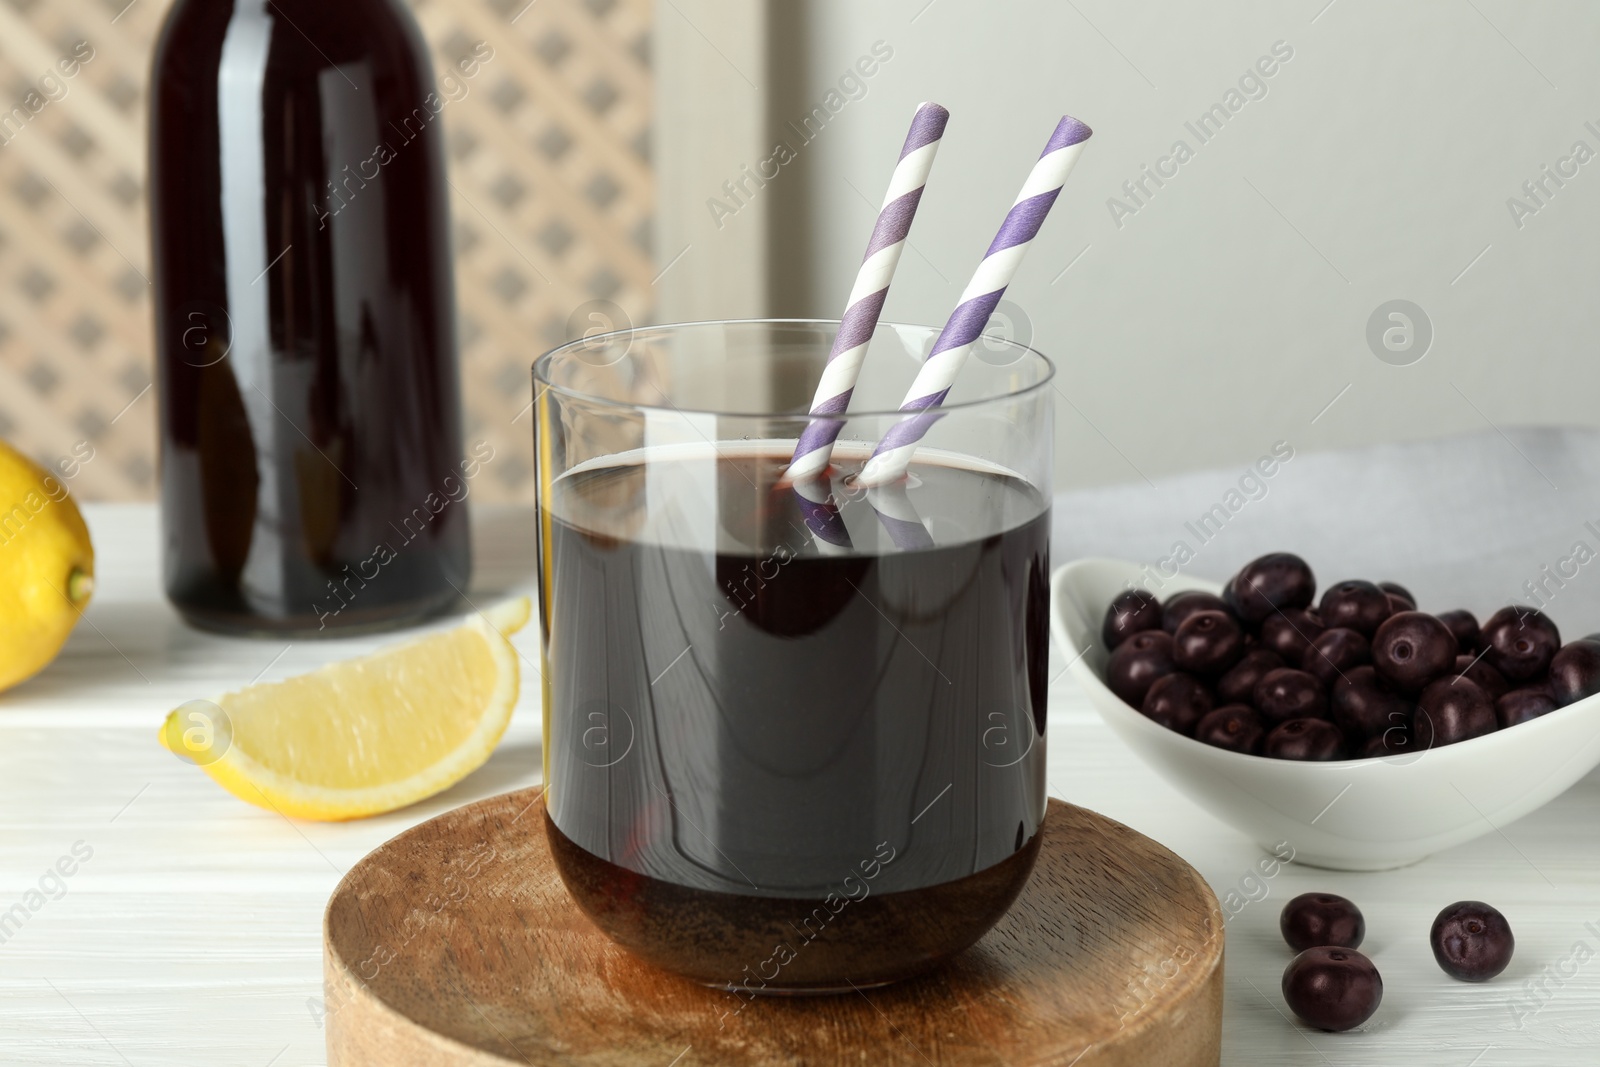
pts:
pixel 312 469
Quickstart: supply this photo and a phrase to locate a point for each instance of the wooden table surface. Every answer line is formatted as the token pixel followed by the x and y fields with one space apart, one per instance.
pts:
pixel 191 933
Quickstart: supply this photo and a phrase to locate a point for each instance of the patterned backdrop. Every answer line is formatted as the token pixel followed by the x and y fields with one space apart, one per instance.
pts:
pixel 549 159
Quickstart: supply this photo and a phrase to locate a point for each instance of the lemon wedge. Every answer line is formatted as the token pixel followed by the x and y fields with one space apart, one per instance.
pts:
pixel 366 735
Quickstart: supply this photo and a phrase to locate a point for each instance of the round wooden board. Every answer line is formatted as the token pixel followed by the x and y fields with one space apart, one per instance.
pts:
pixel 456 944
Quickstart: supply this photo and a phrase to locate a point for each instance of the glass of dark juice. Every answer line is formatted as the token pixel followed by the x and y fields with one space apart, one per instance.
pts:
pixel 794 732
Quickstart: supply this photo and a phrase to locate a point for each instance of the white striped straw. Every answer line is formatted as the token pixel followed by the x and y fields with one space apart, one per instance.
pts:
pixel 893 454
pixel 815 497
pixel 838 379
pixel 899 517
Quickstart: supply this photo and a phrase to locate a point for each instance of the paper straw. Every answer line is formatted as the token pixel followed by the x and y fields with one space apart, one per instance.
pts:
pixel 899 517
pixel 889 503
pixel 821 514
pixel 861 313
pixel 893 454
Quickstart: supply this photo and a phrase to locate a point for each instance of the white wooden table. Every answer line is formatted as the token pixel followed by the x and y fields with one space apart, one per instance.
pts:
pixel 191 935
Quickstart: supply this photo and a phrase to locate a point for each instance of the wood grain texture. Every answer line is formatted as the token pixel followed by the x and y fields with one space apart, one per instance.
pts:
pixel 456 944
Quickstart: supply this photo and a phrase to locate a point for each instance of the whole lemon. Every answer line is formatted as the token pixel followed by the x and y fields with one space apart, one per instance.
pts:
pixel 46 566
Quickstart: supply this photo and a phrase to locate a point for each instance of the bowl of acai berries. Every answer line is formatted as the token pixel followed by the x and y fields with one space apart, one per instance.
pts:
pixel 1343 720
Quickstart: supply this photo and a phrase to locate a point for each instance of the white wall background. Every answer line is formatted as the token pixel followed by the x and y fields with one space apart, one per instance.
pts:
pixel 1232 307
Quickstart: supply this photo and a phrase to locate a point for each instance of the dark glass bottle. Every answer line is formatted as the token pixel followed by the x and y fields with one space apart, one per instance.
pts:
pixel 311 463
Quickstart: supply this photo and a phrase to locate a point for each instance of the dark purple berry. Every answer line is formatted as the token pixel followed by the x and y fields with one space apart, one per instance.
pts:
pixel 1451 710
pixel 1234 727
pixel 1238 685
pixel 1208 642
pixel 1520 643
pixel 1305 739
pixel 1489 680
pixel 1290 632
pixel 1332 988
pixel 1395 589
pixel 1361 674
pixel 1334 652
pixel 1137 663
pixel 1177 701
pixel 1521 705
pixel 1132 611
pixel 1355 605
pixel 1286 694
pixel 1471 941
pixel 1395 741
pixel 1264 585
pixel 1575 672
pixel 1464 625
pixel 1363 707
pixel 1312 920
pixel 1411 649
pixel 1180 606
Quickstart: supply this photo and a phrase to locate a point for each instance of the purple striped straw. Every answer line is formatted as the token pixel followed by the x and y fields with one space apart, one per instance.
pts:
pixel 815 498
pixel 893 454
pixel 890 503
pixel 832 399
pixel 899 517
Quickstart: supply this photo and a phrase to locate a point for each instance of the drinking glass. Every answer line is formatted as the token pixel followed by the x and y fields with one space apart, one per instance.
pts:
pixel 794 733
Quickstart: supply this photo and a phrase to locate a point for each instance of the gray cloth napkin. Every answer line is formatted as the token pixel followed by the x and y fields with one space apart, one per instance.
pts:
pixel 1477 521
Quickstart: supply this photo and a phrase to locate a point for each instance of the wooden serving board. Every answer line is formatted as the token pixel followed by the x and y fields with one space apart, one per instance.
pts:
pixel 456 944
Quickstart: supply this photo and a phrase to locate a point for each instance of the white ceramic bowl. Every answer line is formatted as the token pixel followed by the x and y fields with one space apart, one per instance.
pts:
pixel 1355 815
